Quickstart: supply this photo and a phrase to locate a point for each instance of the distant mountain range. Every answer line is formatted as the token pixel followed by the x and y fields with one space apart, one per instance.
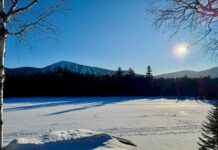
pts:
pixel 73 67
pixel 213 73
pixel 77 68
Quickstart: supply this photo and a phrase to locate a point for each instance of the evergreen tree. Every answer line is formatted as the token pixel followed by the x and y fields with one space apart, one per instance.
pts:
pixel 209 140
pixel 149 73
pixel 119 72
pixel 131 72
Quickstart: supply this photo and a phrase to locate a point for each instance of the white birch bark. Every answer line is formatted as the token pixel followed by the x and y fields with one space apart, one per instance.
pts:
pixel 20 31
pixel 2 73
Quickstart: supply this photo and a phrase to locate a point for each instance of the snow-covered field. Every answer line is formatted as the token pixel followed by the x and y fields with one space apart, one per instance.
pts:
pixel 157 124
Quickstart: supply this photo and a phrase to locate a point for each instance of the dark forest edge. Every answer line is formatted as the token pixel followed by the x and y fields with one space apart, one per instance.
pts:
pixel 62 82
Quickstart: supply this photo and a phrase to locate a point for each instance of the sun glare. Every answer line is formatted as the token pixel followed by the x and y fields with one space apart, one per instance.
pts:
pixel 181 50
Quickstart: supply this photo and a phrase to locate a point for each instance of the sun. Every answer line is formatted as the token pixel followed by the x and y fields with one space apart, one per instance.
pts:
pixel 181 50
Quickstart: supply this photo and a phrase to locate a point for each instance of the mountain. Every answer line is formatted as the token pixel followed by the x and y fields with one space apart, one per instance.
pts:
pixel 74 67
pixel 83 69
pixel 77 68
pixel 22 70
pixel 213 73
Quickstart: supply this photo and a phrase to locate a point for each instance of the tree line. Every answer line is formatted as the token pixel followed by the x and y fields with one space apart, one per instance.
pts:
pixel 62 82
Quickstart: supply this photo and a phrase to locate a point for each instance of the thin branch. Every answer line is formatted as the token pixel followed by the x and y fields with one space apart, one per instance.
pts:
pixel 39 26
pixel 183 11
pixel 25 8
pixel 12 9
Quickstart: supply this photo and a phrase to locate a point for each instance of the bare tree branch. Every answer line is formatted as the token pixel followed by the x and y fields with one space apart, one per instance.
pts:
pixel 38 22
pixel 25 8
pixel 18 18
pixel 24 28
pixel 200 16
pixel 12 8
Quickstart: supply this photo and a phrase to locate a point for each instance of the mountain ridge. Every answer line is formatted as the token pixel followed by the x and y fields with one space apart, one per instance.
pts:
pixel 78 68
pixel 71 66
pixel 212 72
pixel 84 69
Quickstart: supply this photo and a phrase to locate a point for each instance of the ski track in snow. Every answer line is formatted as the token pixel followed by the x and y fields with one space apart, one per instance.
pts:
pixel 152 123
pixel 152 130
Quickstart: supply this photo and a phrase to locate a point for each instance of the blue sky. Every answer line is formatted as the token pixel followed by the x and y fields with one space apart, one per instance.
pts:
pixel 109 34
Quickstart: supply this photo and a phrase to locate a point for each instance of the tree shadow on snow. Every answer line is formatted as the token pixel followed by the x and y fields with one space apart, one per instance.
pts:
pixel 87 103
pixel 78 103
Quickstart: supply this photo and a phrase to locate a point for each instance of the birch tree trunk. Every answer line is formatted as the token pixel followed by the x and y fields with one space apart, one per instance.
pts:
pixel 2 78
pixel 40 23
pixel 2 74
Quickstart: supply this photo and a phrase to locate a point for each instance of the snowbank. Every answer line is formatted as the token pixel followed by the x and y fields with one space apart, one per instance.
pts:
pixel 72 140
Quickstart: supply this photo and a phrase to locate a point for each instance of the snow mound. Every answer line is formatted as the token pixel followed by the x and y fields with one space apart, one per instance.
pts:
pixel 72 140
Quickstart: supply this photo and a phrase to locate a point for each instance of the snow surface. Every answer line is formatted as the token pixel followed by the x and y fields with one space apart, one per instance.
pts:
pixel 68 140
pixel 153 123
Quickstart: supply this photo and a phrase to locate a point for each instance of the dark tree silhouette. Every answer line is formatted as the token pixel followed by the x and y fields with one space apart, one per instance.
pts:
pixel 131 72
pixel 149 73
pixel 119 72
pixel 63 82
pixel 209 139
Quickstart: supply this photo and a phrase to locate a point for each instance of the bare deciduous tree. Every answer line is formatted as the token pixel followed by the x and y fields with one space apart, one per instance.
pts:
pixel 23 19
pixel 199 16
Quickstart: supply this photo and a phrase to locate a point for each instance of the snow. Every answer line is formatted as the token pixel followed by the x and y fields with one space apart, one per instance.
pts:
pixel 68 140
pixel 153 123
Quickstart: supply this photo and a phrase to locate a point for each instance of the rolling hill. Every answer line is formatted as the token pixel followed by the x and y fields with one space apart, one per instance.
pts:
pixel 213 73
